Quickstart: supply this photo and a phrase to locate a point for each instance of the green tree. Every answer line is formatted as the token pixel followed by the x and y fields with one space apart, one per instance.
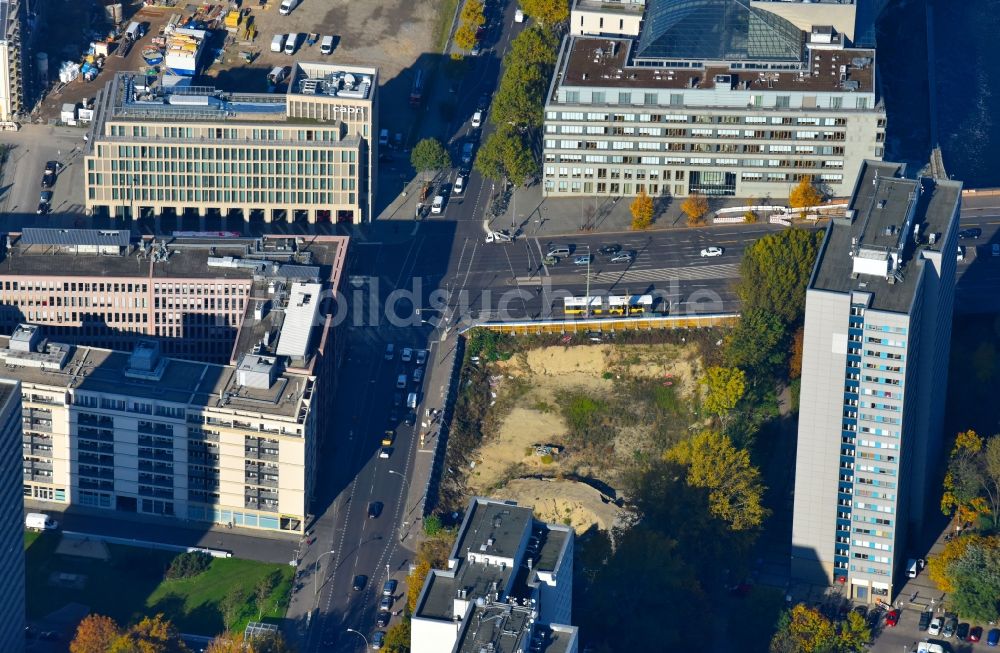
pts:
pixel 939 565
pixel 397 638
pixel 262 591
pixel 853 634
pixel 804 630
pixel 642 211
pixel 757 343
pixel 546 12
pixel 429 155
pixel 232 606
pixel 724 389
pixel 735 491
pixel 534 46
pixel 774 273
pixel 519 98
pixel 804 195
pixel 976 576
pixel 965 480
pixel 506 156
pixel 151 635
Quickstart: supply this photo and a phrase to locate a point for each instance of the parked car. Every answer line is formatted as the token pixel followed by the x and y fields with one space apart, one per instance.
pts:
pixel 950 626
pixel 421 356
pixel 459 185
pixel 384 452
pixel 385 603
pixel 378 639
pixel 390 351
pixel 971 234
pixel 418 375
pixel 374 509
pixel 407 355
pixel 411 418
pixel 437 206
pixel 389 588
pixel 892 618
pixel 925 620
pixel 934 628
pixel 44 202
pixel 467 153
pixel 477 119
pixel 976 634
pixel 993 637
pixel 48 180
pixel 387 437
pixel 382 620
pixel 711 251
pixel 359 582
pixel 995 249
pixel 962 632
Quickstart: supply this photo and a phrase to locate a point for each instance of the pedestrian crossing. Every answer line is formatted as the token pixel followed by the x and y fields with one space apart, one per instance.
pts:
pixel 689 273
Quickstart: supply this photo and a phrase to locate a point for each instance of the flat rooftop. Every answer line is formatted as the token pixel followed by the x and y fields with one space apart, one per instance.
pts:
pixel 333 80
pixel 611 6
pixel 183 382
pixel 131 98
pixel 189 257
pixel 498 628
pixel 883 214
pixel 608 62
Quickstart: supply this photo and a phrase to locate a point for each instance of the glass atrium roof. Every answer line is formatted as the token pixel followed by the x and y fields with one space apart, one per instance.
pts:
pixel 716 30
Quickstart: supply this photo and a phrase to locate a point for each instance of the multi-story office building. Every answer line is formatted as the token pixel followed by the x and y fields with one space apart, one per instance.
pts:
pixel 874 369
pixel 307 154
pixel 11 60
pixel 104 288
pixel 508 587
pixel 12 604
pixel 717 97
pixel 140 433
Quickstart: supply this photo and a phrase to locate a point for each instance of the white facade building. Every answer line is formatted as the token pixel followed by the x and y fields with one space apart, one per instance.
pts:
pixel 508 587
pixel 874 372
pixel 12 601
pixel 714 97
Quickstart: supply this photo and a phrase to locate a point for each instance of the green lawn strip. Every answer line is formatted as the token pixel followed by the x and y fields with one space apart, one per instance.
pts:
pixel 29 539
pixel 442 29
pixel 131 585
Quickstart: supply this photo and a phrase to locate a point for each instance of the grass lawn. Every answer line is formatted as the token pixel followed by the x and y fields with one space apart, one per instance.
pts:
pixel 442 29
pixel 132 584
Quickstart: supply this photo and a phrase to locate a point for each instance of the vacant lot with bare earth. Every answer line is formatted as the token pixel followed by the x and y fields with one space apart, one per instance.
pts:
pixel 567 424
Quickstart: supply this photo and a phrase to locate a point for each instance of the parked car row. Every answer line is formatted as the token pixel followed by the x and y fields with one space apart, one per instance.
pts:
pixel 386 600
pixel 948 626
pixel 614 254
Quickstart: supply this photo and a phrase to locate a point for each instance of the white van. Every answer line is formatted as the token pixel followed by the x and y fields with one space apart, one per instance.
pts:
pixel 326 45
pixel 287 6
pixel 518 16
pixel 411 400
pixel 134 32
pixel 292 43
pixel 39 521
pixel 278 43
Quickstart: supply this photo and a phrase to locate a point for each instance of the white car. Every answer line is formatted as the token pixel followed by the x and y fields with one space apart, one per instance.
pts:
pixel 459 185
pixel 935 627
pixel 711 251
pixel 421 356
pixel 437 207
pixel 477 119
pixel 407 354
pixel 384 452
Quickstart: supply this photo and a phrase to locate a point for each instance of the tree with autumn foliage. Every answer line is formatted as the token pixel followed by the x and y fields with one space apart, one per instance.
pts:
pixel 546 12
pixel 695 207
pixel 724 388
pixel 938 565
pixel 804 630
pixel 151 635
pixel 431 554
pixel 805 195
pixel 95 634
pixel 972 482
pixel 735 491
pixel 642 211
pixel 795 361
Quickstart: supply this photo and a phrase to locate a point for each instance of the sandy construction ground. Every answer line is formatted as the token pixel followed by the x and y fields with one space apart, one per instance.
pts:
pixel 505 462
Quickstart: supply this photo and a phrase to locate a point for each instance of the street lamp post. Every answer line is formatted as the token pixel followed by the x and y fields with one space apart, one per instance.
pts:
pixel 359 634
pixel 316 576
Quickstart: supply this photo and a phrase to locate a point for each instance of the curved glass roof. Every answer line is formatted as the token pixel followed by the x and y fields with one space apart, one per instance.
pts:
pixel 716 30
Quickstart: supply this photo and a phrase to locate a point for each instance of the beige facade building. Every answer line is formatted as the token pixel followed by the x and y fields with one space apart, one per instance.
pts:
pixel 713 97
pixel 607 17
pixel 307 154
pixel 11 60
pixel 139 433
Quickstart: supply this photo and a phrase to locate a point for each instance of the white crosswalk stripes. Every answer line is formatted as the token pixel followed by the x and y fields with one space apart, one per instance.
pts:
pixel 724 271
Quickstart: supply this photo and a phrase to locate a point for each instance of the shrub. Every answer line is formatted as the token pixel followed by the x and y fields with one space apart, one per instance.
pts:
pixel 189 564
pixel 432 525
pixel 547 459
